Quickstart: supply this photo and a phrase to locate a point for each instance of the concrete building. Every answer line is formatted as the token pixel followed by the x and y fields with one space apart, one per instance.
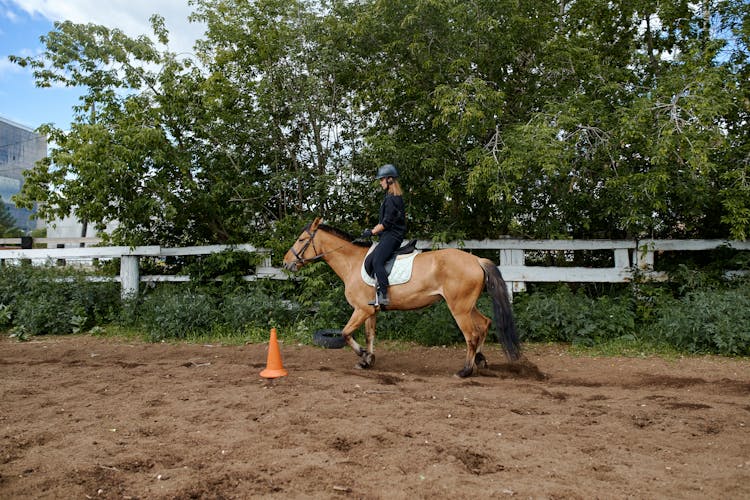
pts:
pixel 20 149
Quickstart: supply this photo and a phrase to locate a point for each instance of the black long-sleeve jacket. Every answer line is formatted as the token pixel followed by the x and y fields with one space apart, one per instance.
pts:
pixel 393 216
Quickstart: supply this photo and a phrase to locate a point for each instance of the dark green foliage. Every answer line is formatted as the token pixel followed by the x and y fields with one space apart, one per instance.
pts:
pixel 8 227
pixel 587 119
pixel 45 314
pixel 172 312
pixel 229 265
pixel 258 307
pixel 706 321
pixel 698 314
pixel 321 295
pixel 51 301
pixel 563 316
pixel 187 311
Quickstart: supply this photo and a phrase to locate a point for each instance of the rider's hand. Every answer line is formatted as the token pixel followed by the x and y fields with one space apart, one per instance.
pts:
pixel 367 233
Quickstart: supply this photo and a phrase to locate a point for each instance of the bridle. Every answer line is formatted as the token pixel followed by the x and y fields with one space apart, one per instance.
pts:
pixel 301 260
pixel 310 241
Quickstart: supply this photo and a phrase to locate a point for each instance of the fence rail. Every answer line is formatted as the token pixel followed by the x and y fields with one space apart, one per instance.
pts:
pixel 629 257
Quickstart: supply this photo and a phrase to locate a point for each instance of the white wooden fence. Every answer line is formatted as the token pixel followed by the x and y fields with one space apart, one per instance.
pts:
pixel 629 257
pixel 129 276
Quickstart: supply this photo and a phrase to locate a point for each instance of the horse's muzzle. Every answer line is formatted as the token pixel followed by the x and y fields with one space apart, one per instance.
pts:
pixel 292 266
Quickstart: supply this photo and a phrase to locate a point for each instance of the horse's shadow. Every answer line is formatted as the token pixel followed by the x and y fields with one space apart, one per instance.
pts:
pixel 386 374
pixel 521 369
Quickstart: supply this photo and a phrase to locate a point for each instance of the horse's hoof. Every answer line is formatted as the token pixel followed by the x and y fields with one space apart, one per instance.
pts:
pixel 368 359
pixel 480 360
pixel 467 371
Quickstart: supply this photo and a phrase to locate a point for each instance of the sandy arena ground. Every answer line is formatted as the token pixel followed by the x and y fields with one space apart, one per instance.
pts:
pixel 84 417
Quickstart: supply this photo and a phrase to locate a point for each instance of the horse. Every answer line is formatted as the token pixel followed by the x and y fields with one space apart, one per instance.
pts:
pixel 449 274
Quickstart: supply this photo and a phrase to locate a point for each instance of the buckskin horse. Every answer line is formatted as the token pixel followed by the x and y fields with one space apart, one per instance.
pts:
pixel 454 275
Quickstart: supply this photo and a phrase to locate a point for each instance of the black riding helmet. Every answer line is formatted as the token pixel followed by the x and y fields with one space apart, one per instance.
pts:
pixel 387 170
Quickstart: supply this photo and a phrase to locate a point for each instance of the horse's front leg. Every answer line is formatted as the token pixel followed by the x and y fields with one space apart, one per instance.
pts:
pixel 368 356
pixel 358 317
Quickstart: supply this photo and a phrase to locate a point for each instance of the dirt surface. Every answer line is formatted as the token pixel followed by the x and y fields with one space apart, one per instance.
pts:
pixel 84 417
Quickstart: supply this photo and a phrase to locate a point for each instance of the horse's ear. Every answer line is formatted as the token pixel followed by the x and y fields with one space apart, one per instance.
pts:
pixel 315 223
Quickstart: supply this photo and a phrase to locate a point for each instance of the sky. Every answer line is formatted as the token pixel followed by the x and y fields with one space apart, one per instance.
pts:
pixel 23 22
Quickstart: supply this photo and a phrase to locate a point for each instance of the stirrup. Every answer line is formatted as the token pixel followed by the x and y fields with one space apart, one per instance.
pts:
pixel 381 299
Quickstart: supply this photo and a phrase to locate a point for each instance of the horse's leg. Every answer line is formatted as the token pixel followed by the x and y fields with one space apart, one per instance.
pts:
pixel 474 326
pixel 466 324
pixel 482 322
pixel 368 356
pixel 358 317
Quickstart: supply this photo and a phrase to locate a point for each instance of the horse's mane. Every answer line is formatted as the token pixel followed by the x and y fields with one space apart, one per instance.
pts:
pixel 343 235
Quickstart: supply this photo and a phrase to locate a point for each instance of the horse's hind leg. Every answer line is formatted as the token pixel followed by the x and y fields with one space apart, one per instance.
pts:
pixel 483 323
pixel 474 326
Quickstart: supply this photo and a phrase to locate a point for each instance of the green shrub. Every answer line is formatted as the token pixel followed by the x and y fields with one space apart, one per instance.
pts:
pixel 562 316
pixel 16 283
pixel 254 307
pixel 706 321
pixel 47 300
pixel 229 265
pixel 694 313
pixel 174 312
pixel 45 314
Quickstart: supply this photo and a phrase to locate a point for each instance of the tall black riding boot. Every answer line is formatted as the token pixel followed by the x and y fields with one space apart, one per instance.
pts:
pixel 381 298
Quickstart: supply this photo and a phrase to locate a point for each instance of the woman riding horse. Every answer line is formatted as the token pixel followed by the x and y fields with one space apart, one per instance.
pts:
pixel 391 229
pixel 450 274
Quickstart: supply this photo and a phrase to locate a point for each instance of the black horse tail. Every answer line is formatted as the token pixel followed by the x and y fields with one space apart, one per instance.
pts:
pixel 504 323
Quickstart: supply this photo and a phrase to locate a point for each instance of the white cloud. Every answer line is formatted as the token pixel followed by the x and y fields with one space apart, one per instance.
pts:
pixel 131 16
pixel 10 15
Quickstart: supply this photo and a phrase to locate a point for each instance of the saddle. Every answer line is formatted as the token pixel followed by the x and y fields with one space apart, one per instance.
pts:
pixel 398 266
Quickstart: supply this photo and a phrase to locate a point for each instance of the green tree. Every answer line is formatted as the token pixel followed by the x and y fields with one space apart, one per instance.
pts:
pixel 8 228
pixel 127 156
pixel 279 81
pixel 560 118
pixel 179 150
pixel 583 118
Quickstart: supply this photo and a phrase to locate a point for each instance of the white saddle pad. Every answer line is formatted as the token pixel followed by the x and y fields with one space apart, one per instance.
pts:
pixel 401 272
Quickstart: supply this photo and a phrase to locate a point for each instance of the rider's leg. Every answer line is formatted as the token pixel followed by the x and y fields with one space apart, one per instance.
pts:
pixel 386 246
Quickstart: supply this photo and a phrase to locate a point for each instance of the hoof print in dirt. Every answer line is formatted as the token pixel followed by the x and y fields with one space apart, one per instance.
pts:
pixel 330 339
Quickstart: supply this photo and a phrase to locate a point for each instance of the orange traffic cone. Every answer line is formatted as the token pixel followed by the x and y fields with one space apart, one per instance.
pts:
pixel 274 368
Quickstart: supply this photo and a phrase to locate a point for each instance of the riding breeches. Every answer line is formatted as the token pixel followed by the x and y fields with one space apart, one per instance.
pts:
pixel 384 249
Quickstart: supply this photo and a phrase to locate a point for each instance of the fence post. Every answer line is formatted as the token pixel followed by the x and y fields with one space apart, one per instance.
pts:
pixel 27 243
pixel 622 258
pixel 513 257
pixel 644 255
pixel 61 262
pixel 129 276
